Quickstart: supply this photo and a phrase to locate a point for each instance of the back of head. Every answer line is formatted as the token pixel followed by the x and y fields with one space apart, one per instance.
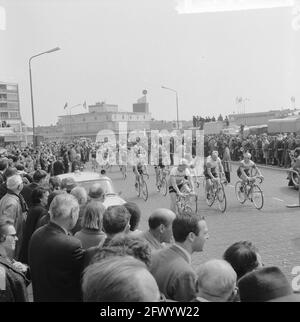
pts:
pixel 10 171
pixel 52 195
pixel 63 207
pixel 135 214
pixel 68 184
pixel 3 164
pixel 161 216
pixel 216 280
pixel 119 279
pixel 39 175
pixel 93 215
pixel 96 191
pixel 115 220
pixel 80 194
pixel 264 284
pixel 242 256
pixel 14 183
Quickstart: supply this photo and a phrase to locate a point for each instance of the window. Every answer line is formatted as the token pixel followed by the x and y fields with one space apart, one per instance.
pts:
pixel 14 115
pixel 14 105
pixel 12 88
pixel 123 117
pixel 95 118
pixel 3 97
pixel 3 105
pixel 4 115
pixel 12 97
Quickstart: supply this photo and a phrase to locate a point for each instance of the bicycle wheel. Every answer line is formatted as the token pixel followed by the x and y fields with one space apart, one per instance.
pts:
pixel 138 188
pixel 180 205
pixel 163 187
pixel 144 189
pixel 210 197
pixel 240 192
pixel 221 198
pixel 194 203
pixel 124 173
pixel 257 197
pixel 295 180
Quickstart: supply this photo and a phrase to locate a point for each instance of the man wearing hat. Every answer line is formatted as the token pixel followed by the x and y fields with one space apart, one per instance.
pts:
pixel 39 179
pixel 68 184
pixel 13 206
pixel 267 284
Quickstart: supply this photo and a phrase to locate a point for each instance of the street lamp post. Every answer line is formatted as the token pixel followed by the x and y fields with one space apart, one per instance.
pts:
pixel 31 92
pixel 173 90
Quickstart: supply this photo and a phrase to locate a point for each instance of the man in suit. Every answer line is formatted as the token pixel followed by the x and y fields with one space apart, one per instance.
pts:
pixel 58 167
pixel 172 267
pixel 55 257
pixel 160 229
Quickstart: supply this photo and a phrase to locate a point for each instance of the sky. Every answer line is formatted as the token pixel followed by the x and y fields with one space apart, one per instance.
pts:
pixel 111 50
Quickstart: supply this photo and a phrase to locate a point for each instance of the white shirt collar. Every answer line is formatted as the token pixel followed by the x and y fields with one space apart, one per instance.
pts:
pixel 185 252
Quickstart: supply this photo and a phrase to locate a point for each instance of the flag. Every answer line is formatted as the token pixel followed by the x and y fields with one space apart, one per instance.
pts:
pixel 84 104
pixel 66 105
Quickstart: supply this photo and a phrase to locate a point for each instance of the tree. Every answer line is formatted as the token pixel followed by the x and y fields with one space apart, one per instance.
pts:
pixel 220 118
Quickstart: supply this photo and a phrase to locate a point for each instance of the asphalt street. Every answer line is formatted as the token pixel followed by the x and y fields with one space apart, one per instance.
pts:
pixel 275 229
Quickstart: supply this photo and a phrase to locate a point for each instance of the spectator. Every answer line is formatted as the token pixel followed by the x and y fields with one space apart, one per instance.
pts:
pixel 125 245
pixel 243 256
pixel 35 213
pixel 172 267
pixel 9 172
pixel 13 206
pixel 216 282
pixel 68 184
pixel 119 279
pixel 13 282
pixel 3 167
pixel 46 218
pixel 81 195
pixel 91 233
pixel 58 167
pixel 115 223
pixel 96 192
pixel 39 179
pixel 54 183
pixel 160 228
pixel 76 164
pixel 135 216
pixel 266 284
pixel 55 257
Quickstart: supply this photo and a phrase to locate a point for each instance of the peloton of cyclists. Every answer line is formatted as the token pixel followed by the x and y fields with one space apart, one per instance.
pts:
pixel 139 160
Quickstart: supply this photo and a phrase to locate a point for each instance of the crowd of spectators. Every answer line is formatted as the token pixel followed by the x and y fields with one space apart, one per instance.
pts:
pixel 59 239
pixel 265 149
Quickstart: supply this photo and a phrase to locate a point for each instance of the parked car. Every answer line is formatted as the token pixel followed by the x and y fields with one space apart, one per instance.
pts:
pixel 86 179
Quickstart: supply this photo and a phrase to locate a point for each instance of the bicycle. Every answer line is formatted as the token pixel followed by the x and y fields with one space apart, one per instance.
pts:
pixel 162 185
pixel 185 204
pixel 249 190
pixel 141 186
pixel 217 192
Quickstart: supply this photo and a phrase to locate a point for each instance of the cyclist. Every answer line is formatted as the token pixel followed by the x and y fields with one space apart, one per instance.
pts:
pixel 180 182
pixel 123 159
pixel 160 166
pixel 139 166
pixel 245 169
pixel 213 171
pixel 93 157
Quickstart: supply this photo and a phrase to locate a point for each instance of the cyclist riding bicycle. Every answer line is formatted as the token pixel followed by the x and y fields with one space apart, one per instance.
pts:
pixel 162 161
pixel 180 182
pixel 213 170
pixel 246 168
pixel 139 166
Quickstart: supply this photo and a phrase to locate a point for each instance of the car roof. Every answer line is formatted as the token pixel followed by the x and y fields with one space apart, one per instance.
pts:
pixel 84 176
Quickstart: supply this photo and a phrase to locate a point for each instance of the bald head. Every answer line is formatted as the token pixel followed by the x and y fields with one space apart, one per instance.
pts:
pixel 216 280
pixel 161 216
pixel 160 224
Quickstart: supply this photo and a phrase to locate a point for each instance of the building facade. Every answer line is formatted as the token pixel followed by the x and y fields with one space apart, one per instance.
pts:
pixel 10 117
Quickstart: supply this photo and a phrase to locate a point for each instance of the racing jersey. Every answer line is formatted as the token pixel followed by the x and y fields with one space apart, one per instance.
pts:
pixel 214 165
pixel 179 176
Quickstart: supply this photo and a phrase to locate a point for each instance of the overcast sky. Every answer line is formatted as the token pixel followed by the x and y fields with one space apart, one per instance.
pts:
pixel 113 49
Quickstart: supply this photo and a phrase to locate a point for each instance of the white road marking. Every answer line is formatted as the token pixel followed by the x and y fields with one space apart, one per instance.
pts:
pixel 278 199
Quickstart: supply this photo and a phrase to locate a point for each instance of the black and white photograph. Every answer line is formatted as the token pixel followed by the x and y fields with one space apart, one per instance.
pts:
pixel 149 152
